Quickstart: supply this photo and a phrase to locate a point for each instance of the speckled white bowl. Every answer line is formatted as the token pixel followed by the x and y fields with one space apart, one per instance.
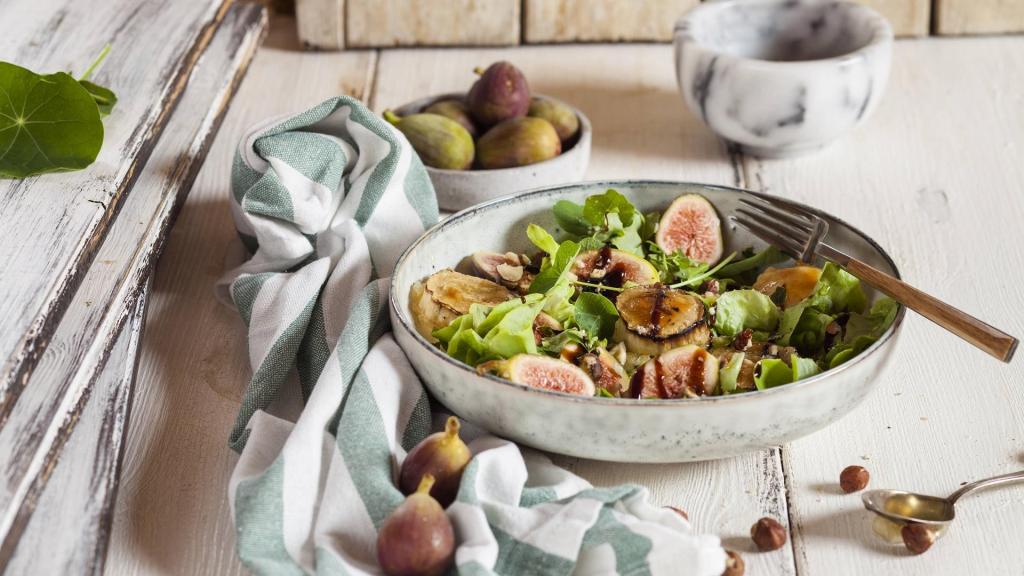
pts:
pixel 625 430
pixel 782 77
pixel 458 189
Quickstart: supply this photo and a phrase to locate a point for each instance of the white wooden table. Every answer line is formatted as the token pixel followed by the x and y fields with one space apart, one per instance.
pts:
pixel 937 176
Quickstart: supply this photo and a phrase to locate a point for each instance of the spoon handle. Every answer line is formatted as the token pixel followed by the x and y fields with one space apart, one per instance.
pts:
pixel 985 483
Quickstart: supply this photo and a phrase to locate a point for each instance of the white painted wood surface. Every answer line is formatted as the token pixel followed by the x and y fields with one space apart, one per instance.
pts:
pixel 51 226
pixel 33 434
pixel 70 528
pixel 931 134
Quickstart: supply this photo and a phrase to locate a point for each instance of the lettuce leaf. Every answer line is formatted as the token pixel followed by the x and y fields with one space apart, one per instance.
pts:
pixel 730 373
pixel 739 309
pixel 491 333
pixel 863 330
pixel 772 372
pixel 836 291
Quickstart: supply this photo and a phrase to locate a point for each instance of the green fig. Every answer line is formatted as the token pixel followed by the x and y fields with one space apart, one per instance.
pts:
pixel 456 110
pixel 417 539
pixel 443 456
pixel 563 118
pixel 518 142
pixel 499 94
pixel 440 142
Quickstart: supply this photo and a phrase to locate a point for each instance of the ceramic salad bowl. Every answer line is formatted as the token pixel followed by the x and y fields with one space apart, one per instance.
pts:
pixel 625 429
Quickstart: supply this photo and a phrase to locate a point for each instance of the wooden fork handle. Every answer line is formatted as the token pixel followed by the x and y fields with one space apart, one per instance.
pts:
pixel 981 335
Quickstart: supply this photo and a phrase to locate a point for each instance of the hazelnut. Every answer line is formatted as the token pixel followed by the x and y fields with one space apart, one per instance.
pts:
pixel 768 534
pixel 918 538
pixel 679 511
pixel 854 479
pixel 733 564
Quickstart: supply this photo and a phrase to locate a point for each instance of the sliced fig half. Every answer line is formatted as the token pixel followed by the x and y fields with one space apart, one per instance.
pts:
pixel 508 269
pixel 542 372
pixel 691 226
pixel 611 267
pixel 680 373
pixel 605 370
pixel 654 319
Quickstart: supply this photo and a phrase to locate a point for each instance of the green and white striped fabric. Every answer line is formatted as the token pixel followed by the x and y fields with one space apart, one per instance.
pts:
pixel 326 200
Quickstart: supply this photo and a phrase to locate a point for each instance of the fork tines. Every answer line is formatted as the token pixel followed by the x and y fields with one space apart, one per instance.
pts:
pixel 789 228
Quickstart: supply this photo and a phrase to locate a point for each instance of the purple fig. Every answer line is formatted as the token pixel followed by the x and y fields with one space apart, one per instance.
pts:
pixel 455 110
pixel 499 94
pixel 518 142
pixel 563 118
pixel 440 142
pixel 417 539
pixel 443 456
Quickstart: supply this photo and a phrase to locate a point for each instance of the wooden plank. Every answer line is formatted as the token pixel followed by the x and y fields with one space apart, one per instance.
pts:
pixel 431 22
pixel 33 436
pixel 172 514
pixel 978 16
pixel 601 20
pixel 908 17
pixel 321 23
pixel 52 225
pixel 941 192
pixel 70 529
pixel 641 130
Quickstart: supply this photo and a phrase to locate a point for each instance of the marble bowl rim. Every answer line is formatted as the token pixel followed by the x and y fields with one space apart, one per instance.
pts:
pixel 886 339
pixel 585 130
pixel 882 35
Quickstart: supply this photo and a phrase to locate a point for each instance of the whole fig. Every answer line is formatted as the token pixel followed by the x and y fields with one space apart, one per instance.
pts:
pixel 518 142
pixel 563 118
pixel 499 94
pixel 443 456
pixel 440 142
pixel 455 110
pixel 417 539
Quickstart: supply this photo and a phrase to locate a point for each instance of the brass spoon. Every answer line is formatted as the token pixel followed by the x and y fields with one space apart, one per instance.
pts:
pixel 896 508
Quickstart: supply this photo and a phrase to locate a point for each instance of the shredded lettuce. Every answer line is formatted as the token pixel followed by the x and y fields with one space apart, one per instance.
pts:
pixel 739 309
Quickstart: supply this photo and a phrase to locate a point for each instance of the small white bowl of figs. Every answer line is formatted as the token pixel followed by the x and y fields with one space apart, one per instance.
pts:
pixel 496 139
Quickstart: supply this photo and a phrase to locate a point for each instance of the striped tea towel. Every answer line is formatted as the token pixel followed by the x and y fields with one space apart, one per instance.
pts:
pixel 326 200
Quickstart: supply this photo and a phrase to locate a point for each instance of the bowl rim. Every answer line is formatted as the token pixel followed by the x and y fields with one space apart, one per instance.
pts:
pixel 881 35
pixel 585 132
pixel 472 211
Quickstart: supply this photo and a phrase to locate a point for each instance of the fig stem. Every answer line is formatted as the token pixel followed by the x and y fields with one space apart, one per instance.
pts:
pixel 391 117
pixel 701 277
pixel 426 483
pixel 598 286
pixel 478 71
pixel 451 427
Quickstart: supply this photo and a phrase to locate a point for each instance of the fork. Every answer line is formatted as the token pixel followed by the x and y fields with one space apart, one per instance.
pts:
pixel 801 234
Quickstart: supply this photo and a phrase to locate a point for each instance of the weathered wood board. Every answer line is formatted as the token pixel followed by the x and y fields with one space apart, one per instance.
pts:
pixel 321 23
pixel 908 17
pixel 33 435
pixel 51 226
pixel 601 20
pixel 172 514
pixel 431 22
pixel 70 528
pixel 942 193
pixel 979 16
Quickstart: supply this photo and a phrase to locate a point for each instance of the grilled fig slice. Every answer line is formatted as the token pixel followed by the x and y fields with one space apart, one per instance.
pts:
pixel 444 456
pixel 605 370
pixel 691 225
pixel 798 281
pixel 653 319
pixel 446 295
pixel 611 267
pixel 680 373
pixel 542 372
pixel 417 539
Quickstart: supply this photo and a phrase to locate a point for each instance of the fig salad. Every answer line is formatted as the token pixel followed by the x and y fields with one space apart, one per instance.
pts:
pixel 634 305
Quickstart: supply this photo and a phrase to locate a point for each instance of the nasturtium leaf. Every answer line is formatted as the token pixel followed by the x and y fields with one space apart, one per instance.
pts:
pixel 104 97
pixel 596 315
pixel 47 123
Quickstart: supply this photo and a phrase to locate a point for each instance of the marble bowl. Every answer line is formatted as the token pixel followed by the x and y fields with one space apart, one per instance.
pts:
pixel 782 77
pixel 458 189
pixel 614 429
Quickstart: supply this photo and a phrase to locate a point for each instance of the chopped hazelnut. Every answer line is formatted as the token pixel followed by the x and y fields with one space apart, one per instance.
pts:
pixel 742 340
pixel 733 564
pixel 510 273
pixel 768 534
pixel 854 479
pixel 918 538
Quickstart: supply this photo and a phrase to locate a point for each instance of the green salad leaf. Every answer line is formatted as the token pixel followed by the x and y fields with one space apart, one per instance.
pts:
pixel 542 239
pixel 595 314
pixel 607 218
pixel 745 270
pixel 739 309
pixel 492 333
pixel 569 217
pixel 730 373
pixel 772 372
pixel 675 267
pixel 863 330
pixel 836 291
pixel 49 123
